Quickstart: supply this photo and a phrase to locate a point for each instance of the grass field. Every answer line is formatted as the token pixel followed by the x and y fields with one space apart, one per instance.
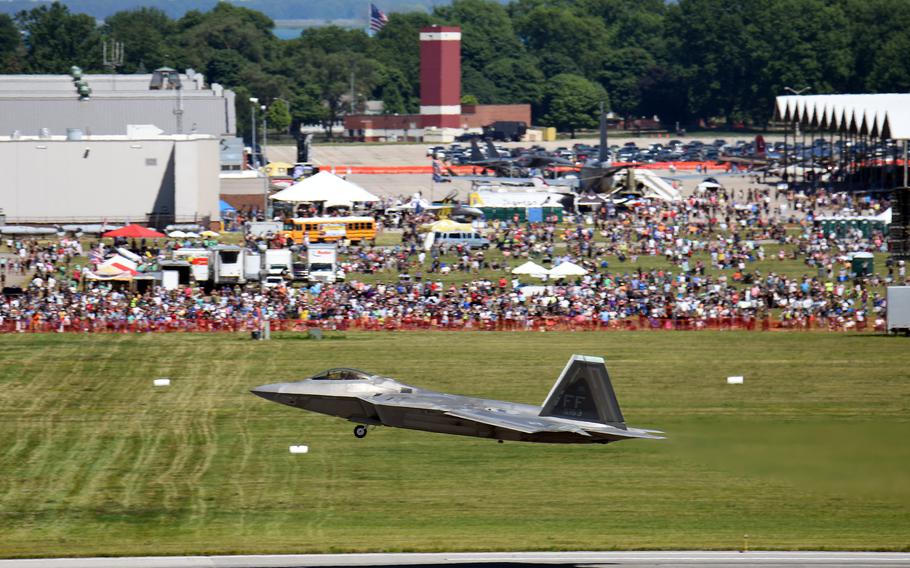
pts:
pixel 811 452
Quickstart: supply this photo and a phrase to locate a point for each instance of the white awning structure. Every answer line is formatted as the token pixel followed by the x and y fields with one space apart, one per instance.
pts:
pixel 567 269
pixel 530 268
pixel 879 115
pixel 325 187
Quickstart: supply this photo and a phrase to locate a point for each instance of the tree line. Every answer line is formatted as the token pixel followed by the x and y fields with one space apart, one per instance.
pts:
pixel 689 61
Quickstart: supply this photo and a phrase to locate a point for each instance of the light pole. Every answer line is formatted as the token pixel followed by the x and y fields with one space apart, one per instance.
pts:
pixel 255 103
pixel 265 132
pixel 797 93
pixel 267 214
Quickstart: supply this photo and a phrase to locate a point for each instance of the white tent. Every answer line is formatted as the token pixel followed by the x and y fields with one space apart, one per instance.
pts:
pixel 325 187
pixel 567 269
pixel 530 268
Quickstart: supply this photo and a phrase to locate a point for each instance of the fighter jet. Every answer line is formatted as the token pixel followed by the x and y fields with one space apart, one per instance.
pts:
pixel 580 409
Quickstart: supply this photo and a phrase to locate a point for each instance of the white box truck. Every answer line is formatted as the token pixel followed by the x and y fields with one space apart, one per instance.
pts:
pixel 252 267
pixel 278 262
pixel 322 262
pixel 898 299
pixel 228 264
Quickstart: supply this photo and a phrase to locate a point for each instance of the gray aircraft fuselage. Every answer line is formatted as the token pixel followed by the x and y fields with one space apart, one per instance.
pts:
pixel 376 400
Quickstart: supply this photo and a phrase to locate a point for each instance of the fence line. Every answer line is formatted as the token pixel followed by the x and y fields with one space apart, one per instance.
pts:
pixel 537 324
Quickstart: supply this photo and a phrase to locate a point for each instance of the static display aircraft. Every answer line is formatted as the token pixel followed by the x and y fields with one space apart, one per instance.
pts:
pixel 581 407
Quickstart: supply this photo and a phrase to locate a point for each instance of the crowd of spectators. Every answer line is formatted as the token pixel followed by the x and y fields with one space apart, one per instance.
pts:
pixel 711 244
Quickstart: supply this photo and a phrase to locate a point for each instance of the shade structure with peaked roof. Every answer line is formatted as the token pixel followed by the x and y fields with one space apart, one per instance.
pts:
pixel 531 268
pixel 567 269
pixel 134 232
pixel 325 187
pixel 882 115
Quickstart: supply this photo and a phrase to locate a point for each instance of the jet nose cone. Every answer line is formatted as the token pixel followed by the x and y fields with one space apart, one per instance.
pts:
pixel 268 392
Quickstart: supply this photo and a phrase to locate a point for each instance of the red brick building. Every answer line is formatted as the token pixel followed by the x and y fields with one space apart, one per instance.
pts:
pixel 442 116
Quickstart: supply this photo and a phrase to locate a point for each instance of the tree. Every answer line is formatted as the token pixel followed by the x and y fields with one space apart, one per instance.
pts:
pixel 578 40
pixel 572 102
pixel 279 116
pixel 55 39
pixel 891 72
pixel 486 31
pixel 394 91
pixel 516 80
pixel 11 50
pixel 621 75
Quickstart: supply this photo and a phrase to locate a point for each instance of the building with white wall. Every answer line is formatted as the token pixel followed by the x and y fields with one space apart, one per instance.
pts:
pixel 142 177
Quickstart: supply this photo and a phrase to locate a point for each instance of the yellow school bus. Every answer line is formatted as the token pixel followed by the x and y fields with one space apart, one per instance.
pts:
pixel 330 229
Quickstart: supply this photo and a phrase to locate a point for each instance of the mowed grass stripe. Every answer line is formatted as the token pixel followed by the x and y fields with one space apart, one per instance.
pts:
pixel 810 453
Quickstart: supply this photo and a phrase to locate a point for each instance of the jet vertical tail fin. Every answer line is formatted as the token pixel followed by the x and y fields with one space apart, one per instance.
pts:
pixel 584 392
pixel 476 154
pixel 492 152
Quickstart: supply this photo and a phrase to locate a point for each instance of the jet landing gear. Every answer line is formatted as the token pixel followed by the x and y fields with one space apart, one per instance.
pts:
pixel 360 431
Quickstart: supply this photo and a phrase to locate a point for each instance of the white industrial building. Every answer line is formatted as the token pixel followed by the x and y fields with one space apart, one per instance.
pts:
pixel 144 176
pixel 30 103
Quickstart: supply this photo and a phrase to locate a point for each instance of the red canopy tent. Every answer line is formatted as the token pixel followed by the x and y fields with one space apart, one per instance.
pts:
pixel 134 232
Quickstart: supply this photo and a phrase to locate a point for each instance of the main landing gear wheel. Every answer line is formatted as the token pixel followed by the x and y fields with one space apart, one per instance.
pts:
pixel 360 431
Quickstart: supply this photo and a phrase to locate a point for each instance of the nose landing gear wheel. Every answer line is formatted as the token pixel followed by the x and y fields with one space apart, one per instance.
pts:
pixel 360 431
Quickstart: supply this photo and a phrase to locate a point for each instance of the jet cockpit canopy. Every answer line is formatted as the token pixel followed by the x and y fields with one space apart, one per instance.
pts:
pixel 342 374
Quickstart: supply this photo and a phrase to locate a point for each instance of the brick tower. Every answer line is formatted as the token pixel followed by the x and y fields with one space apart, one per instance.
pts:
pixel 440 77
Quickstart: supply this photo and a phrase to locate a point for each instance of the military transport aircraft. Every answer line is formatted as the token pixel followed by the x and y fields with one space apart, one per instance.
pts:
pixel 581 407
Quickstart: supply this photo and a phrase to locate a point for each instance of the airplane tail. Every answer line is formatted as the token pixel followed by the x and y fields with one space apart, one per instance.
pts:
pixel 584 392
pixel 476 154
pixel 492 152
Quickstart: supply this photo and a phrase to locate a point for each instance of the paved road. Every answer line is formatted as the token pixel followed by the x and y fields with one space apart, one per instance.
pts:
pixel 490 560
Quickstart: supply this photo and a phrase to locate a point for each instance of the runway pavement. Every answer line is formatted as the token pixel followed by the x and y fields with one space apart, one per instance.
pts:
pixel 729 559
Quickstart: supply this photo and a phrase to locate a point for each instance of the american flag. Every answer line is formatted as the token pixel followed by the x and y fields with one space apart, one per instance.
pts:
pixel 378 19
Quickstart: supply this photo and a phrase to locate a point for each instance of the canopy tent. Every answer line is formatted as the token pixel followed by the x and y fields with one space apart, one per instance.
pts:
pixel 567 269
pixel 325 187
pixel 879 115
pixel 117 266
pixel 447 226
pixel 531 268
pixel 709 184
pixel 225 207
pixel 134 232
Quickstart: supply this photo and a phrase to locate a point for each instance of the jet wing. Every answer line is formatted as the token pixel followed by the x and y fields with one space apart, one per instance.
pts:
pixel 408 401
pixel 512 422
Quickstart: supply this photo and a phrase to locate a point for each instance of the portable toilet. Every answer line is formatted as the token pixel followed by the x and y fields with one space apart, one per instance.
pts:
pixel 862 264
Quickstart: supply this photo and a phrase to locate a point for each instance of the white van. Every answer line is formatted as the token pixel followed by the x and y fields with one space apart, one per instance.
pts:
pixel 469 239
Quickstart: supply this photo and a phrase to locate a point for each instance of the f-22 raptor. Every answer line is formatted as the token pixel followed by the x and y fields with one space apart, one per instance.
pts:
pixel 580 409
